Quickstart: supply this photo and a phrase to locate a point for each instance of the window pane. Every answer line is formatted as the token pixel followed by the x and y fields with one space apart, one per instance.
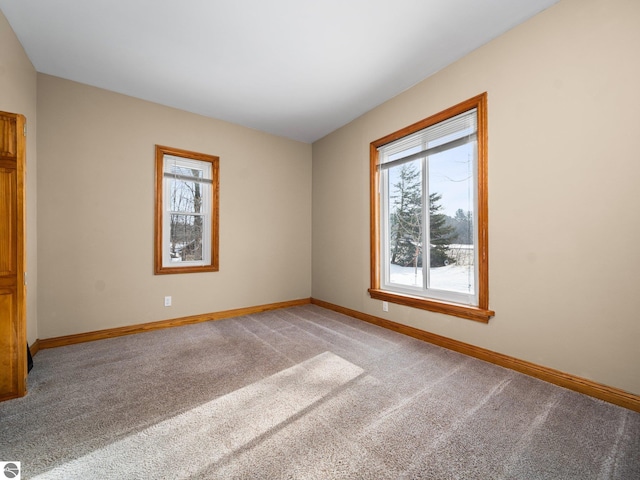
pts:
pixel 185 195
pixel 406 229
pixel 186 238
pixel 451 203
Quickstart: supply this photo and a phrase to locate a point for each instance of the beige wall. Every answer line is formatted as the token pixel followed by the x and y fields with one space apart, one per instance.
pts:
pixel 96 201
pixel 18 81
pixel 563 192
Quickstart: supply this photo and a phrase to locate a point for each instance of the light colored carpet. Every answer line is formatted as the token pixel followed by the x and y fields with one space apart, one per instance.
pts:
pixel 302 393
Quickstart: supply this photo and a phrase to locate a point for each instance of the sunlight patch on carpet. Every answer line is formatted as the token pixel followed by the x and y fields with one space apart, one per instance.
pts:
pixel 185 444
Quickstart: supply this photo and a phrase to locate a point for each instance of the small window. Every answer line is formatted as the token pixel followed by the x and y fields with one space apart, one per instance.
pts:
pixel 429 213
pixel 186 223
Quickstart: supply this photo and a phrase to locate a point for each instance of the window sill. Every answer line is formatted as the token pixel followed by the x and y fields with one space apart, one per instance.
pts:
pixel 159 270
pixel 463 311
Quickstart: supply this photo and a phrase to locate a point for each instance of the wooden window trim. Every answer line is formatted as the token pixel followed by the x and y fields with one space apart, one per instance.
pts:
pixel 161 151
pixel 481 312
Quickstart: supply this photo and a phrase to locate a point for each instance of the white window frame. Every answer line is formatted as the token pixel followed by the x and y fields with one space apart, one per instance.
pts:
pixel 386 152
pixel 205 213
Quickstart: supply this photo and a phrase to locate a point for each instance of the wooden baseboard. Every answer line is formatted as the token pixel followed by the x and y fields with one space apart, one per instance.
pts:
pixel 35 347
pixel 147 327
pixel 572 382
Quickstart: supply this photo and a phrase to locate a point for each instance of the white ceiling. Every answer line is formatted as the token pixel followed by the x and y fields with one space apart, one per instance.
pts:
pixel 294 68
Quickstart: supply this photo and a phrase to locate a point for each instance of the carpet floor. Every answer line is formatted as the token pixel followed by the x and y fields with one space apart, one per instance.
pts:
pixel 302 393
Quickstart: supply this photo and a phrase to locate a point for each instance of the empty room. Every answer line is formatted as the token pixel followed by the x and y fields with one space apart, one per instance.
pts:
pixel 319 240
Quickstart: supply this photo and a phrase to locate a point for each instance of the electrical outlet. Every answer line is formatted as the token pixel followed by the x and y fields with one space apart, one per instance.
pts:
pixel 167 301
pixel 385 306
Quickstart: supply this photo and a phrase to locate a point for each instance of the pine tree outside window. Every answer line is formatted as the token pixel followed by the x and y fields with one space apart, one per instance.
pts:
pixel 429 214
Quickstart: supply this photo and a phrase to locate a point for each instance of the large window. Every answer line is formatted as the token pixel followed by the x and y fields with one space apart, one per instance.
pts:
pixel 429 213
pixel 186 238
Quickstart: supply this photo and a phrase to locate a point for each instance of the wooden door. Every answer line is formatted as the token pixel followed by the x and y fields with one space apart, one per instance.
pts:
pixel 13 342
